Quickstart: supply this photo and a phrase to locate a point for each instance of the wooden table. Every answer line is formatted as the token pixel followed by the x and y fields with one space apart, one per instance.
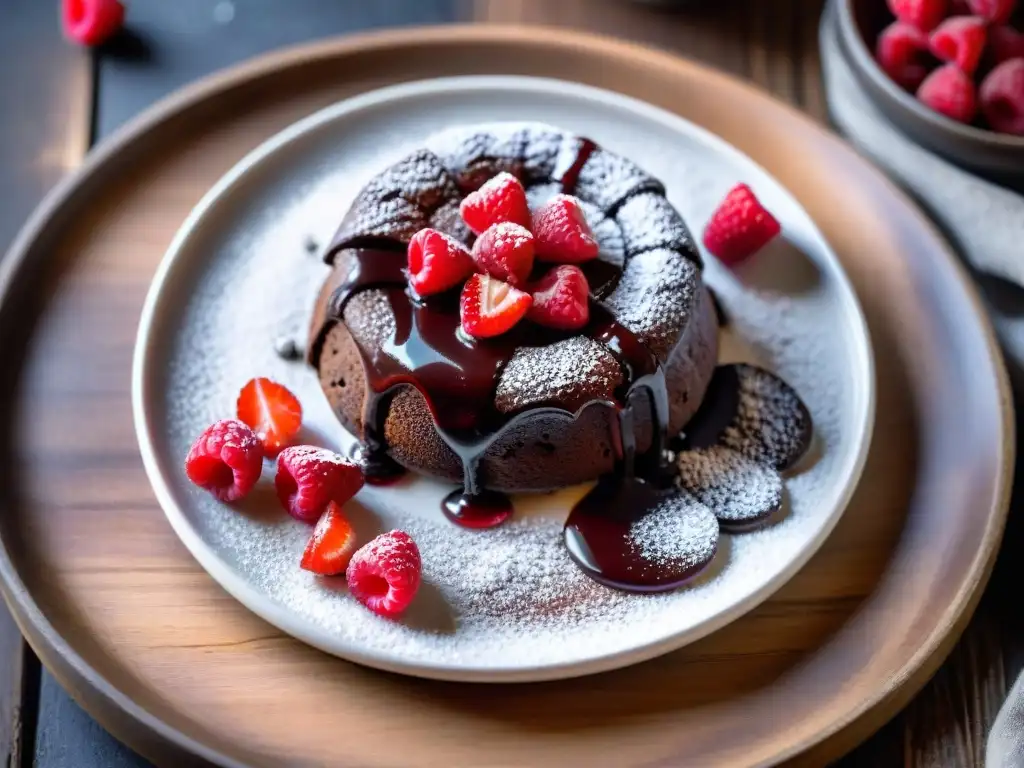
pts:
pixel 63 99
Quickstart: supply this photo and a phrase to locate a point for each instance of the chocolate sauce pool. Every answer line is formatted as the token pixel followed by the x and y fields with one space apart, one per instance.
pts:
pixel 457 377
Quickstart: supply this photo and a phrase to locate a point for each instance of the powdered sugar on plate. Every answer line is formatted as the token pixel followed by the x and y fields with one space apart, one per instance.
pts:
pixel 506 603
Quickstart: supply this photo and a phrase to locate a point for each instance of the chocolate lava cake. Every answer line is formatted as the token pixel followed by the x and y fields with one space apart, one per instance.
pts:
pixel 535 424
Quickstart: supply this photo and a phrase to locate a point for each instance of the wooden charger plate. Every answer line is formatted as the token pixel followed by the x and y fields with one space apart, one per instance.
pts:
pixel 146 641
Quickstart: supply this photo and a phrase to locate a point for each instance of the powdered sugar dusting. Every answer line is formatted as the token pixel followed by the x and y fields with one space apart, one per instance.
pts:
pixel 508 599
pixel 772 425
pixel 679 532
pixel 732 486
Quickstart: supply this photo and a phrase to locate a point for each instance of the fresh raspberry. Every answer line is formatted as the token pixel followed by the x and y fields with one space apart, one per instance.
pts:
pixel 561 299
pixel 996 11
pixel 310 478
pixel 502 198
pixel 960 40
pixel 739 227
pixel 490 307
pixel 902 53
pixel 332 544
pixel 562 232
pixel 226 460
pixel 384 574
pixel 505 251
pixel 949 92
pixel 923 14
pixel 1005 43
pixel 272 411
pixel 91 22
pixel 437 262
pixel 1002 97
pixel 959 8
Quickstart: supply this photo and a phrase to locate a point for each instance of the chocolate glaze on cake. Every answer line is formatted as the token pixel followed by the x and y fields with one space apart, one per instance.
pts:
pixel 651 286
pixel 536 409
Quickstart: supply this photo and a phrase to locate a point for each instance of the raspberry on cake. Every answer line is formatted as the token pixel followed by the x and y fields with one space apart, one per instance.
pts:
pixel 561 299
pixel 562 232
pixel 437 262
pixel 505 251
pixel 501 198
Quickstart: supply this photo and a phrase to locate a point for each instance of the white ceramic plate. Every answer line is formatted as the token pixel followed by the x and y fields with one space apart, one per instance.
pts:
pixel 506 604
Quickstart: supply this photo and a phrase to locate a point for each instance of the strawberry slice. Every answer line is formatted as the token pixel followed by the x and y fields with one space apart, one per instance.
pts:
pixel 437 262
pixel 561 299
pixel 489 307
pixel 562 233
pixel 272 411
pixel 502 198
pixel 332 544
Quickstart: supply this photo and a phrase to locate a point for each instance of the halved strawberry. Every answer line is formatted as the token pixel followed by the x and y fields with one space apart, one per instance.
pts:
pixel 502 198
pixel 437 262
pixel 332 544
pixel 562 233
pixel 489 307
pixel 561 299
pixel 272 411
pixel 505 251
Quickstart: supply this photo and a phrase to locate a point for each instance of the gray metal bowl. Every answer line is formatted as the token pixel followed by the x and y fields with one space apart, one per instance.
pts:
pixel 997 156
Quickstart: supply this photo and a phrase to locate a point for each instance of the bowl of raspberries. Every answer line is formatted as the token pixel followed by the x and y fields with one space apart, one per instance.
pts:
pixel 948 73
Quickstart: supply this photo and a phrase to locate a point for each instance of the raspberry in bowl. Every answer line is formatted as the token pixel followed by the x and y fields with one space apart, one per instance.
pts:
pixel 949 74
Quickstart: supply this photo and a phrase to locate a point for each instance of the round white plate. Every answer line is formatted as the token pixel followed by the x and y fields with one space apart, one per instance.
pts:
pixel 506 604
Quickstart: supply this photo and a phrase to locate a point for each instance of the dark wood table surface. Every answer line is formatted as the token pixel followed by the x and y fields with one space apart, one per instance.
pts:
pixel 56 100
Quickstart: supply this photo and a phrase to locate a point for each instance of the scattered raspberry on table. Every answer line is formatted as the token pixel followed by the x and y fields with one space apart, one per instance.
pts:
pixel 91 22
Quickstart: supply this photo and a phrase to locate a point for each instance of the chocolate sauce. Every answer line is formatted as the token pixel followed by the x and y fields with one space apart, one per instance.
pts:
pixel 287 349
pixel 379 469
pixel 717 411
pixel 569 177
pixel 598 537
pixel 458 376
pixel 485 509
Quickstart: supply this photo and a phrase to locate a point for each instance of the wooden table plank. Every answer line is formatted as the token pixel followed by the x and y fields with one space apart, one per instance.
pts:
pixel 44 131
pixel 174 43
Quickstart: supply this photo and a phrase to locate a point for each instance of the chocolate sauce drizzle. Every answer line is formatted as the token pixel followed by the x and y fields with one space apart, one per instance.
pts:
pixel 457 376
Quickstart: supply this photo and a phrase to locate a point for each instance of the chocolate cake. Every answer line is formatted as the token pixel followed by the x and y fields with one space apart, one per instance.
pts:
pixel 533 406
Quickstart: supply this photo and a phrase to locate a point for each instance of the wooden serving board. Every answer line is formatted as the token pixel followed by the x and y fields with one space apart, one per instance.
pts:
pixel 147 642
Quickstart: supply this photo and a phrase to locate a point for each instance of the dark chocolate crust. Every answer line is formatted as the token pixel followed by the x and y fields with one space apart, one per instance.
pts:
pixel 660 297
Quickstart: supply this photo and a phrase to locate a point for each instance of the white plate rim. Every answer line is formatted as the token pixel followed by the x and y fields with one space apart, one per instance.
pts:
pixel 239 587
